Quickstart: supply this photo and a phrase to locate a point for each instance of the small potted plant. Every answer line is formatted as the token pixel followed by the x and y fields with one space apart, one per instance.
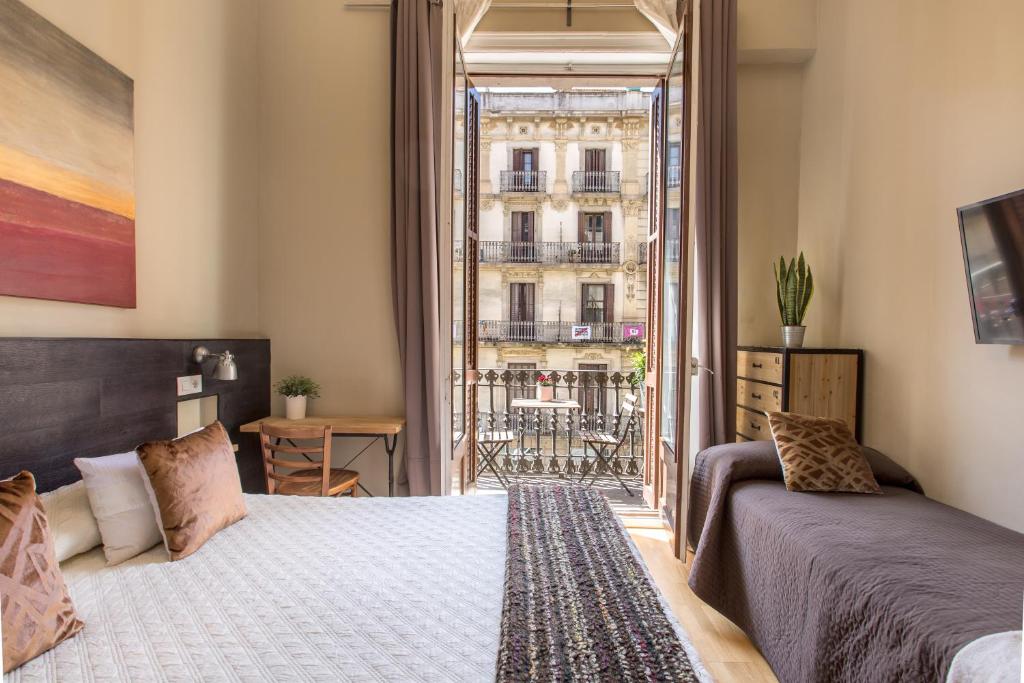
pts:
pixel 545 388
pixel 794 286
pixel 296 389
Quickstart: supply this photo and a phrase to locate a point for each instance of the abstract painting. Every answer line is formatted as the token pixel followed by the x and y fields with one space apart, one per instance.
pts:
pixel 67 199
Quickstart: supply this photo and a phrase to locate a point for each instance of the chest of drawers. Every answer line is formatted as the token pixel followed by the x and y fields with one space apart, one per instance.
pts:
pixel 819 382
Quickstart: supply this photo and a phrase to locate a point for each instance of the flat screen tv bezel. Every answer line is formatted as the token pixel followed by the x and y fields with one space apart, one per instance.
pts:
pixel 967 265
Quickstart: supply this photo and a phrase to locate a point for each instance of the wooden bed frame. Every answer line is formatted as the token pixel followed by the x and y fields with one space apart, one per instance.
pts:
pixel 84 397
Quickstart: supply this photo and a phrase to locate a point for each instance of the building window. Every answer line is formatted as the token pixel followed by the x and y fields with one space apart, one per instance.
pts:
pixel 521 311
pixel 524 234
pixel 524 380
pixel 596 307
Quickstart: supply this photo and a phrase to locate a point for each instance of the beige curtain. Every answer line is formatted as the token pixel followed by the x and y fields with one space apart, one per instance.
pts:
pixel 415 276
pixel 664 14
pixel 468 14
pixel 715 203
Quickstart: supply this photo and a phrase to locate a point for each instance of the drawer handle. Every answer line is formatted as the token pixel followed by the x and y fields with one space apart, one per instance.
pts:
pixel 757 365
pixel 754 425
pixel 756 396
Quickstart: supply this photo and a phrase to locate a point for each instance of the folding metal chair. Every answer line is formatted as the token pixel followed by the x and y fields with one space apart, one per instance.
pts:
pixel 600 442
pixel 489 445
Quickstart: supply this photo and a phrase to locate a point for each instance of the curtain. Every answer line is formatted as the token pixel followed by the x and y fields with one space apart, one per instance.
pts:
pixel 664 14
pixel 468 14
pixel 416 119
pixel 715 205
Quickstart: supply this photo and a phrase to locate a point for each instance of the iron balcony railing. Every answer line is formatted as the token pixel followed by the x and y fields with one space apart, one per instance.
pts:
pixel 552 332
pixel 595 181
pixel 550 252
pixel 524 181
pixel 547 440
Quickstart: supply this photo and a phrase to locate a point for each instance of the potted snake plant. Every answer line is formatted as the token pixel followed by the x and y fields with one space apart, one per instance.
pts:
pixel 296 389
pixel 794 286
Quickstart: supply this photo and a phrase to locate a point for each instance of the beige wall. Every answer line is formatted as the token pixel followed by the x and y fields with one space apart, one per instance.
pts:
pixel 909 111
pixel 768 132
pixel 196 164
pixel 324 195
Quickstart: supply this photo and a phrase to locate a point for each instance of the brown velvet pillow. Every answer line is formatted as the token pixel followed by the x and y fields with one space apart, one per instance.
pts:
pixel 196 487
pixel 820 454
pixel 37 610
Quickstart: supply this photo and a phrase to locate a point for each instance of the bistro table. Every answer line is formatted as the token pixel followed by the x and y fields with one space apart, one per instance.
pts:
pixel 524 404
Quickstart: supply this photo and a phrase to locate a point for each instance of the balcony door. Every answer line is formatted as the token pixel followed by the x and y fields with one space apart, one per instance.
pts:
pixel 465 249
pixel 525 164
pixel 597 310
pixel 672 369
pixel 521 311
pixel 523 248
pixel 595 163
pixel 595 235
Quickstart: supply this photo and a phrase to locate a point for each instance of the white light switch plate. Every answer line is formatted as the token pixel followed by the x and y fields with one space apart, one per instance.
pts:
pixel 191 384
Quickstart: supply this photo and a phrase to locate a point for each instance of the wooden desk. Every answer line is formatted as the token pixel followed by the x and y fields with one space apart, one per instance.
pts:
pixel 384 428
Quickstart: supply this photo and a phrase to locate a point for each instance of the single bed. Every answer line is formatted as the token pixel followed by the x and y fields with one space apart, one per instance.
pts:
pixel 847 587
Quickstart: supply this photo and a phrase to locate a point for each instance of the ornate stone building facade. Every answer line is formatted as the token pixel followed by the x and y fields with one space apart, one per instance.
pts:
pixel 563 228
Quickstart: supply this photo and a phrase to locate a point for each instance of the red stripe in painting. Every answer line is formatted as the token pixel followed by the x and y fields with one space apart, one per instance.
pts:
pixel 51 248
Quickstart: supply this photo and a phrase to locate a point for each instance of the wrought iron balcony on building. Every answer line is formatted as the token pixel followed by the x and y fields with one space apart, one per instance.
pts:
pixel 595 181
pixel 558 332
pixel 524 181
pixel 548 441
pixel 550 252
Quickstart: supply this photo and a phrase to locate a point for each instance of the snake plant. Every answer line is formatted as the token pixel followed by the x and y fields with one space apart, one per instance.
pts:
pixel 794 286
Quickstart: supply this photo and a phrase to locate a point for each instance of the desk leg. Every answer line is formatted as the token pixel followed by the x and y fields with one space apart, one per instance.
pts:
pixel 390 447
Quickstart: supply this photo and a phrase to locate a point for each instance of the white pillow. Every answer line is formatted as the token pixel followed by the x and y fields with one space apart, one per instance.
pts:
pixel 71 522
pixel 120 505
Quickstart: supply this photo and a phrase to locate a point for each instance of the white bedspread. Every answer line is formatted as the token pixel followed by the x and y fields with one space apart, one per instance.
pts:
pixel 301 589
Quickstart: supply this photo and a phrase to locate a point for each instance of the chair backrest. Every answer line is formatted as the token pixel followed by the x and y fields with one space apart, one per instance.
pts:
pixel 275 440
pixel 626 416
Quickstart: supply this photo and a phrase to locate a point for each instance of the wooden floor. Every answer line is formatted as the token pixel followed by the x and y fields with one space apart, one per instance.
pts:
pixel 726 652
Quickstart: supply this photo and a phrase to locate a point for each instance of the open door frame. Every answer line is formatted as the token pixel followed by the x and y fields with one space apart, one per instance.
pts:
pixel 666 487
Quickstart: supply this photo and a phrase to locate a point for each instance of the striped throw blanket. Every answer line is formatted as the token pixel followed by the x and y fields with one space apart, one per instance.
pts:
pixel 578 604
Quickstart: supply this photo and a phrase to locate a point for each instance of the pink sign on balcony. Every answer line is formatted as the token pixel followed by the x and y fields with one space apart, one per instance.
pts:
pixel 633 331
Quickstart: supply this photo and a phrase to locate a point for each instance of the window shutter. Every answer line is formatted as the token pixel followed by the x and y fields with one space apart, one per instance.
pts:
pixel 609 303
pixel 607 226
pixel 582 222
pixel 582 317
pixel 528 296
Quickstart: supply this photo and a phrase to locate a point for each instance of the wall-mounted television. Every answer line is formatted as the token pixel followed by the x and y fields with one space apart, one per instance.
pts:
pixel 992 234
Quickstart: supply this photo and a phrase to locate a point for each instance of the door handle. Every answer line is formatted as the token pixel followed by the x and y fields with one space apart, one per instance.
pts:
pixel 696 367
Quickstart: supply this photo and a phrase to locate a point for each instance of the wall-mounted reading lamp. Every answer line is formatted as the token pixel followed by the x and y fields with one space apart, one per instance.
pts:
pixel 225 369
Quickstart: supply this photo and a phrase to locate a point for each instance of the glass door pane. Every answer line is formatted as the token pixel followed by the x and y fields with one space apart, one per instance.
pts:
pixel 458 388
pixel 672 290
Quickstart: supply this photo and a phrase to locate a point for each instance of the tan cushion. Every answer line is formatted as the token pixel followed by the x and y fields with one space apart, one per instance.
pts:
pixel 820 454
pixel 195 483
pixel 37 610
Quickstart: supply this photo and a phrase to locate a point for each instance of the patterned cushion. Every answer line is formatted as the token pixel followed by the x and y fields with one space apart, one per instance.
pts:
pixel 195 485
pixel 820 454
pixel 37 610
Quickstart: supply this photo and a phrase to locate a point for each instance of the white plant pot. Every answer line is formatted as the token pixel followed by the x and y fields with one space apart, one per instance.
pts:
pixel 545 393
pixel 295 407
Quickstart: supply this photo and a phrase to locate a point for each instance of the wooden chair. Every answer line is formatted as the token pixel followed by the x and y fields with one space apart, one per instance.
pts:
pixel 306 477
pixel 600 442
pixel 489 445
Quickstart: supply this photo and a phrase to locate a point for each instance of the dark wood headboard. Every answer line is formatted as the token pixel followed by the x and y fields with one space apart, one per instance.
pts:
pixel 66 398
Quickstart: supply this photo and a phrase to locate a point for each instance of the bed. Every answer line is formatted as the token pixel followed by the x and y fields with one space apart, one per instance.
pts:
pixel 477 588
pixel 847 587
pixel 303 589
